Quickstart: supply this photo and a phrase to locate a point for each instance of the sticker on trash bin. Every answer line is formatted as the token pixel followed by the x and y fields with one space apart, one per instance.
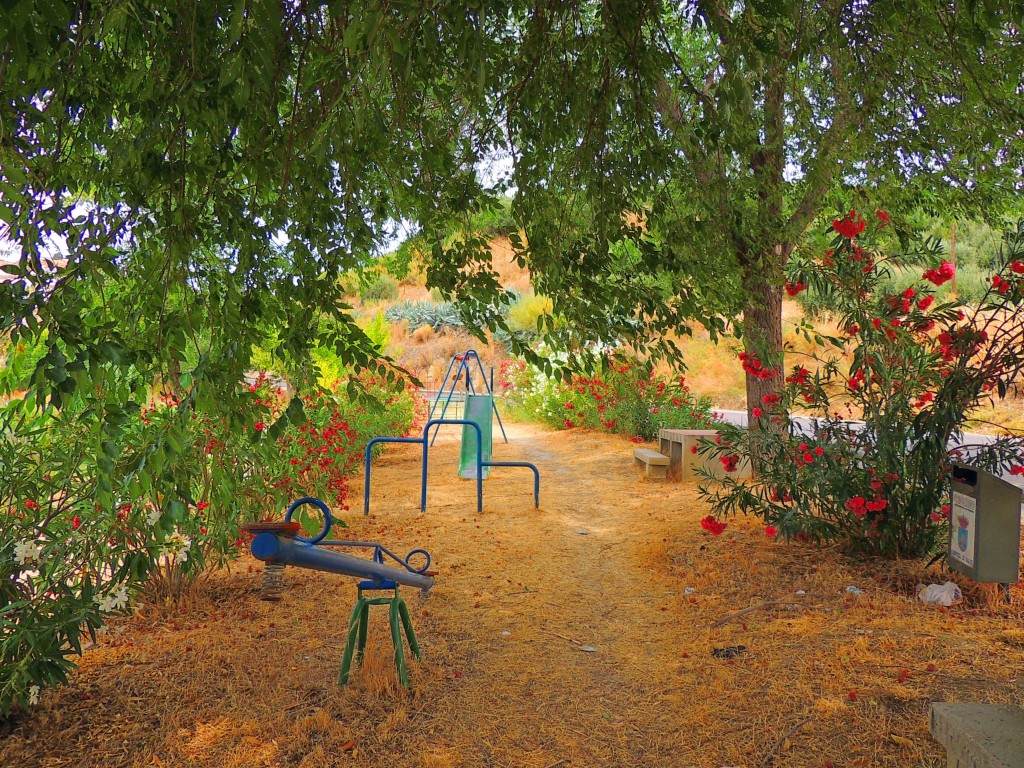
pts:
pixel 962 528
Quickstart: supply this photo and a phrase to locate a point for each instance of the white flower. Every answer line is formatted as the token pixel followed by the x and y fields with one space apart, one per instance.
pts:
pixel 28 551
pixel 176 547
pixel 113 601
pixel 33 695
pixel 154 516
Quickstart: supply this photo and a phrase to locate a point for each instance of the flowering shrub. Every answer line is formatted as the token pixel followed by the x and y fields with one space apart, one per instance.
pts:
pixel 623 398
pixel 94 515
pixel 912 370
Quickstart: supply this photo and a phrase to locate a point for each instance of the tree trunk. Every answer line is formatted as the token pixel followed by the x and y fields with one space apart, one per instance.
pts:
pixel 762 338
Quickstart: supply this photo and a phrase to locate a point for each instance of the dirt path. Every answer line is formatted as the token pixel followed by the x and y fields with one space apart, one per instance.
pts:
pixel 230 681
pixel 527 590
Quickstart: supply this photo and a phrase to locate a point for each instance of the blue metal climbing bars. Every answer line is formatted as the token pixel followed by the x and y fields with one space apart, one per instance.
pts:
pixel 425 442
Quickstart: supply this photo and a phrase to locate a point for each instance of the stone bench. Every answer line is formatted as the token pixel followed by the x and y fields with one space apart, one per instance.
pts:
pixel 979 735
pixel 654 463
pixel 678 445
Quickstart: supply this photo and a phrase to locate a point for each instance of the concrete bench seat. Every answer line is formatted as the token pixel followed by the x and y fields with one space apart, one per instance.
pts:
pixel 979 735
pixel 684 464
pixel 655 464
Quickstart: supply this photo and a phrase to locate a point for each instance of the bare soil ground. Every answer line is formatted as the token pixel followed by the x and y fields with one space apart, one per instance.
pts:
pixel 611 562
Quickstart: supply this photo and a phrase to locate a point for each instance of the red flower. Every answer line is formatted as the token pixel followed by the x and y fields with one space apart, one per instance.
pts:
pixel 800 375
pixel 1017 267
pixel 877 505
pixel 877 323
pixel 259 426
pixel 757 412
pixel 852 695
pixel 808 458
pixel 76 522
pixel 856 505
pixel 852 330
pixel 729 462
pixel 693 449
pixel 202 505
pixel 850 225
pixel 793 289
pixel 883 218
pixel 1001 285
pixel 713 526
pixel 943 274
pixel 909 293
pixel 569 406
pixel 924 303
pixel 770 532
pixel 1017 470
pixel 819 451
pixel 32 504
pixel 772 398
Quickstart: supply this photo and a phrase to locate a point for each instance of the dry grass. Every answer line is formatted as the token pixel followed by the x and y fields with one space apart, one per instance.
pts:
pixel 238 682
pixel 510 274
pixel 423 334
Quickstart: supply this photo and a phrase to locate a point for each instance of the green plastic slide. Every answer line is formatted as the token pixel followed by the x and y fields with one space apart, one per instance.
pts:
pixel 478 408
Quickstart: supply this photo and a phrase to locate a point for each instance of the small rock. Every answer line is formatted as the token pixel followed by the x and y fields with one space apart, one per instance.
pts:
pixel 689 591
pixel 588 649
pixel 854 590
pixel 506 633
pixel 729 652
pixel 582 533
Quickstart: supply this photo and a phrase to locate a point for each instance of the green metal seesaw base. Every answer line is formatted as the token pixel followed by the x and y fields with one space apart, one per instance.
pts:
pixel 398 618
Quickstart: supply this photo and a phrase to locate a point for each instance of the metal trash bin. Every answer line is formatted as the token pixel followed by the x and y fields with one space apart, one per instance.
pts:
pixel 984 526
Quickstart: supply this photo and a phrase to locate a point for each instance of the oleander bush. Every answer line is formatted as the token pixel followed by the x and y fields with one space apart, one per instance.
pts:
pixel 910 368
pixel 96 519
pixel 624 397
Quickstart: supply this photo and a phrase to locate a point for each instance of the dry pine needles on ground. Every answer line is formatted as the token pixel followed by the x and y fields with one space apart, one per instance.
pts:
pixel 610 562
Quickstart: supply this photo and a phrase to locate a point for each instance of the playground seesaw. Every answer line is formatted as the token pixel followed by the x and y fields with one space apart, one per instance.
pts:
pixel 278 545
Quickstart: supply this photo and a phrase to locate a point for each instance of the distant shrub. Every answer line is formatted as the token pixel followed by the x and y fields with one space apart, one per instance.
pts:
pixel 419 313
pixel 624 398
pixel 523 314
pixel 383 288
pixel 378 331
pixel 423 334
